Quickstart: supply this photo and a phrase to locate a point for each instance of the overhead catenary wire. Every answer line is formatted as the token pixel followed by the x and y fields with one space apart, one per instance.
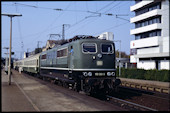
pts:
pixel 113 27
pixel 97 12
pixel 59 9
pixel 66 9
pixel 90 15
pixel 105 13
pixel 47 29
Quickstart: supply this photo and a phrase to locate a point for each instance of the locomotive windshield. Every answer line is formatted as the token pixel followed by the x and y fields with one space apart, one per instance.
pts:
pixel 89 47
pixel 107 48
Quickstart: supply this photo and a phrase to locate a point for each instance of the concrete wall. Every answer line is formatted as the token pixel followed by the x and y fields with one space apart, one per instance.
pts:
pixel 165 64
pixel 146 64
pixel 152 51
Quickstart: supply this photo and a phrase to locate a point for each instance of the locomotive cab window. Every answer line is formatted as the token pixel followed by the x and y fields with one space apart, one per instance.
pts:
pixel 89 48
pixel 107 48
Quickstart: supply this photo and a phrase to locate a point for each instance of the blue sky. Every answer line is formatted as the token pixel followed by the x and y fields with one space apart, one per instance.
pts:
pixel 39 20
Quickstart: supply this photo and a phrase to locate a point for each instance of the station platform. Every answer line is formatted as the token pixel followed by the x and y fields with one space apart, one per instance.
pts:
pixel 27 93
pixel 12 97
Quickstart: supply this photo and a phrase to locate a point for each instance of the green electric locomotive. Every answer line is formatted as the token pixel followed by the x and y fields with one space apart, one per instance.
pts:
pixel 86 63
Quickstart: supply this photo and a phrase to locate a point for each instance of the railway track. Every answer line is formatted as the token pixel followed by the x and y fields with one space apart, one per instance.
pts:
pixel 136 99
pixel 154 94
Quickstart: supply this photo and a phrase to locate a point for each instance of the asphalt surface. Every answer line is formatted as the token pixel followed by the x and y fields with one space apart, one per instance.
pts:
pixel 27 93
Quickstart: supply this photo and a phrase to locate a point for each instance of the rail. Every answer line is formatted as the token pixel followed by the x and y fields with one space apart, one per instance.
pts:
pixel 132 105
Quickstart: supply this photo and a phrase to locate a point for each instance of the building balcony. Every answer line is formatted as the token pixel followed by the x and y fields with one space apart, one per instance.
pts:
pixel 146 42
pixel 145 15
pixel 140 5
pixel 146 28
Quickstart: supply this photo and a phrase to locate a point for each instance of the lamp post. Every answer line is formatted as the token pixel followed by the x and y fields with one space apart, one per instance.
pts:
pixel 9 67
pixel 119 55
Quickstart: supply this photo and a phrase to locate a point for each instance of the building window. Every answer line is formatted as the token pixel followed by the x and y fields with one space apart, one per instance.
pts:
pixel 137 37
pixel 148 34
pixel 144 10
pixel 159 33
pixel 133 51
pixel 148 22
pixel 137 1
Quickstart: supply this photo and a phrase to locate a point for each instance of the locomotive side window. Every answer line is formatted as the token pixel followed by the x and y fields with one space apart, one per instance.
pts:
pixel 43 56
pixel 89 48
pixel 62 53
pixel 107 48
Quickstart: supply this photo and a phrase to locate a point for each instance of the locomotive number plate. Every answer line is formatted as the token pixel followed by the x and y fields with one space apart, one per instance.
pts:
pixel 99 74
pixel 99 63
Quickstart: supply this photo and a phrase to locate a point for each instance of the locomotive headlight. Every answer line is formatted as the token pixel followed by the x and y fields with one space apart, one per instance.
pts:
pixel 89 73
pixel 113 73
pixel 85 73
pixel 93 57
pixel 108 73
pixel 99 55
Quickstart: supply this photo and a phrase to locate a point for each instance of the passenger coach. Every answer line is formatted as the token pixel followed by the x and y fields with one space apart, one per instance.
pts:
pixel 29 65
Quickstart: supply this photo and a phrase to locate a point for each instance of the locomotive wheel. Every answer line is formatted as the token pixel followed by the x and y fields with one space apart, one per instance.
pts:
pixel 65 84
pixel 44 78
pixel 87 89
pixel 60 83
pixel 76 87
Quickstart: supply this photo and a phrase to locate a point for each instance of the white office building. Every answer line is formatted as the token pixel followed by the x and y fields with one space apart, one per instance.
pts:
pixel 150 49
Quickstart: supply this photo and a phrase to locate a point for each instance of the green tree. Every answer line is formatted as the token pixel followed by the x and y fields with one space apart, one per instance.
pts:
pixel 123 54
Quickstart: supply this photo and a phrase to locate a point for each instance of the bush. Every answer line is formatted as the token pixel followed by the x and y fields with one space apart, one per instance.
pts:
pixel 157 75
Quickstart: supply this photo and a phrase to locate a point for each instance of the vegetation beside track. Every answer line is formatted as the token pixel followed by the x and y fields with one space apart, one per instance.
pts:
pixel 157 75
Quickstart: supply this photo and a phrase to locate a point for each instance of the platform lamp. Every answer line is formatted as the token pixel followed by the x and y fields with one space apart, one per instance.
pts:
pixel 9 67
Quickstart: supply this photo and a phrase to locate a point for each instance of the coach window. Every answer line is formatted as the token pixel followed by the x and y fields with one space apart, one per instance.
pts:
pixel 89 48
pixel 107 48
